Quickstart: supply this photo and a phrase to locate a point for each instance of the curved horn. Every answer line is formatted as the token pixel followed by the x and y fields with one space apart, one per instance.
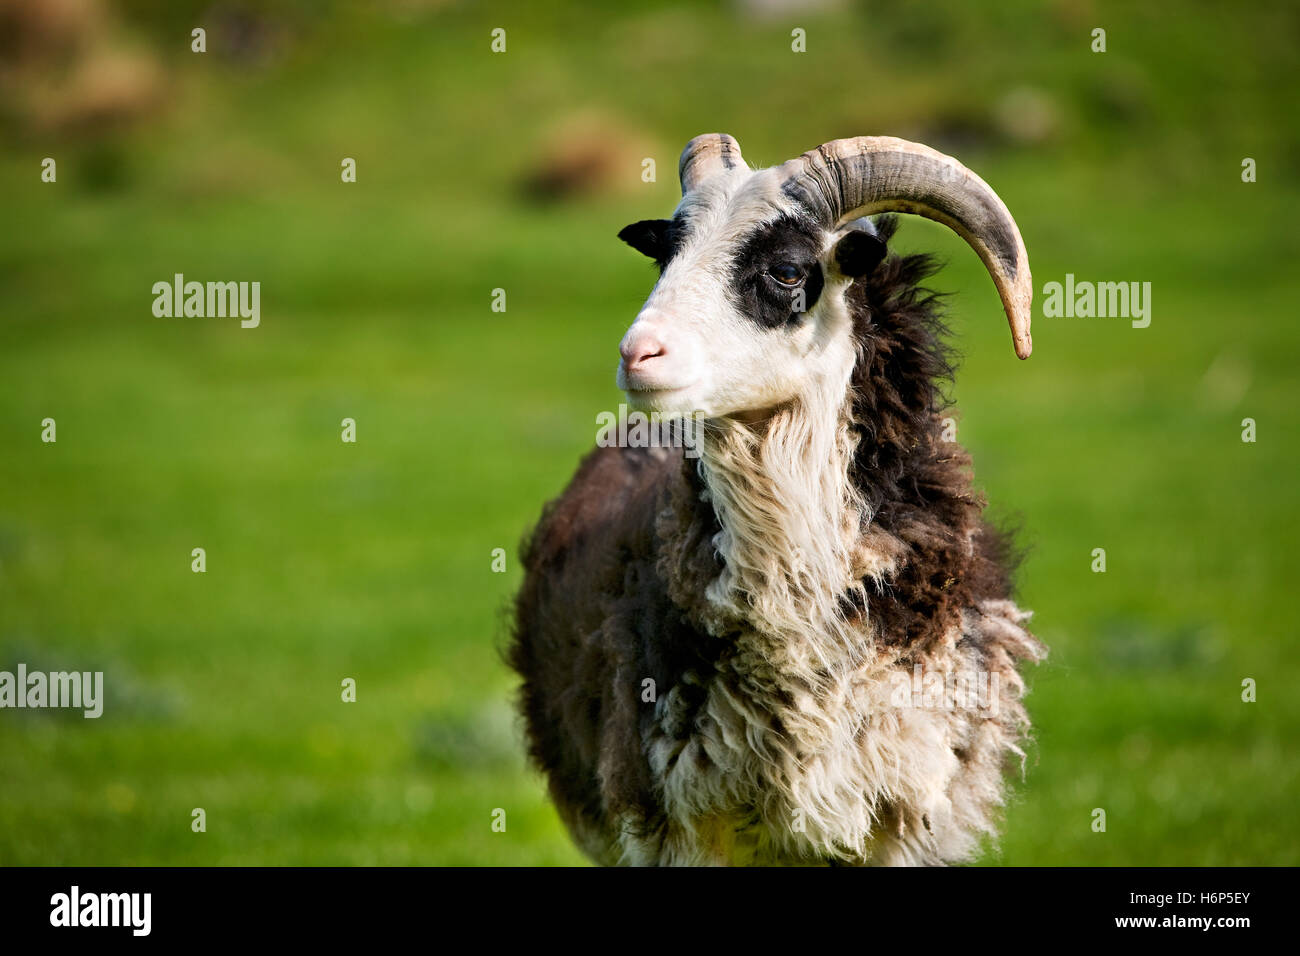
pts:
pixel 706 155
pixel 848 178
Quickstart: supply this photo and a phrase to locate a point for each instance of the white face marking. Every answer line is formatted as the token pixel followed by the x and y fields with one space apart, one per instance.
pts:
pixel 693 350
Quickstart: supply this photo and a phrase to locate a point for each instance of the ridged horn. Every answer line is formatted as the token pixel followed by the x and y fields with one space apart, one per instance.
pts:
pixel 848 178
pixel 706 155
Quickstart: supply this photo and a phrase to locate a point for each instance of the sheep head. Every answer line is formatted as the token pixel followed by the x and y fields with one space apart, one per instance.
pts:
pixel 754 265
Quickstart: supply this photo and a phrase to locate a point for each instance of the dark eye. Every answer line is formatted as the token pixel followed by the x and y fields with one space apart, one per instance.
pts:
pixel 786 273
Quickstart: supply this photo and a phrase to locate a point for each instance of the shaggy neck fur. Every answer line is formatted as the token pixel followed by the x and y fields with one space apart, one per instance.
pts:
pixel 791 522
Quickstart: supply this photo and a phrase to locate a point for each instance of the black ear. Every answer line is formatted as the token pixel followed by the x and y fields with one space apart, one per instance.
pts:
pixel 650 237
pixel 859 252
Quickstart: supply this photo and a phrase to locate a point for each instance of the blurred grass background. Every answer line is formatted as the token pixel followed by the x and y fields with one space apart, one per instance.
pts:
pixel 477 171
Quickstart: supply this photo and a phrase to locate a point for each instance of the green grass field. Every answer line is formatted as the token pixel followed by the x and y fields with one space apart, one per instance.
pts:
pixel 372 560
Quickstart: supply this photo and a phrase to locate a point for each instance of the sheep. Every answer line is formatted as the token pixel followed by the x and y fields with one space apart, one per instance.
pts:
pixel 747 658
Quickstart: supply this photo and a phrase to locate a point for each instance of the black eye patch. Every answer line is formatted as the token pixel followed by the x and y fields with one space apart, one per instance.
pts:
pixel 657 238
pixel 763 266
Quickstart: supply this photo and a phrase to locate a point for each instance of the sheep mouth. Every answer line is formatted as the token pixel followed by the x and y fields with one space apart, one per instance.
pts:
pixel 638 384
pixel 665 400
pixel 639 380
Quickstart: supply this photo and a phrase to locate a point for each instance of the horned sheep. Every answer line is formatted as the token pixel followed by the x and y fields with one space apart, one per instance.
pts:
pixel 727 659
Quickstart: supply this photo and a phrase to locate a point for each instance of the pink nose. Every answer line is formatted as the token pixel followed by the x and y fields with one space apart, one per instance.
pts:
pixel 639 350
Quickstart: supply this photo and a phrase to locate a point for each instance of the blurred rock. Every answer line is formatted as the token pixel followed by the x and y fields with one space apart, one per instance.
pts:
pixel 1027 115
pixel 46 30
pixel 591 155
pixel 64 65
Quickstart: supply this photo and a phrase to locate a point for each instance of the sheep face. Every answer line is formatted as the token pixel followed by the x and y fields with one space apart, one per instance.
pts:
pixel 749 310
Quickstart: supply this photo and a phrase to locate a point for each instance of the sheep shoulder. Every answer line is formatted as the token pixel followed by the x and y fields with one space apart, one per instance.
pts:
pixel 597 639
